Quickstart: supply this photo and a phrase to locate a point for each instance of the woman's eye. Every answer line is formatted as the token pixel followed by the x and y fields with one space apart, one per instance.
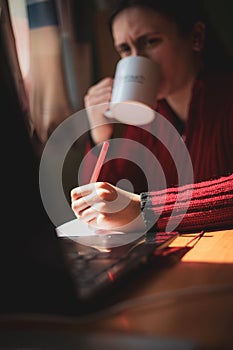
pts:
pixel 123 50
pixel 151 42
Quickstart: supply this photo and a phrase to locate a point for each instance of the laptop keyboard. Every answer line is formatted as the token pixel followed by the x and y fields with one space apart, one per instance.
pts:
pixel 93 270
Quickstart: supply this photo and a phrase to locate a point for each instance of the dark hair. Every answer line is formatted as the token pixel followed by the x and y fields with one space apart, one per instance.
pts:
pixel 185 13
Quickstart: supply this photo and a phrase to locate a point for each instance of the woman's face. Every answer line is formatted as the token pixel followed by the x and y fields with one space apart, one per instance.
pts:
pixel 145 32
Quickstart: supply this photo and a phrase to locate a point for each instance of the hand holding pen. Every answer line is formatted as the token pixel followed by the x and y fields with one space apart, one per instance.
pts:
pixel 104 206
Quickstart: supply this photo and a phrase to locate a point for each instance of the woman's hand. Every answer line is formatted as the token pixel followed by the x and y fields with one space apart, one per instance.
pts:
pixel 105 206
pixel 96 103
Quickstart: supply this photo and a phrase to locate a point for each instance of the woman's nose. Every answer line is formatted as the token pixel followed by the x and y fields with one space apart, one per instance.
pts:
pixel 136 51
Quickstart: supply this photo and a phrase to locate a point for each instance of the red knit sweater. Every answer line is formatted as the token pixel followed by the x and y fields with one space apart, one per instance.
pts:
pixel 137 155
pixel 206 205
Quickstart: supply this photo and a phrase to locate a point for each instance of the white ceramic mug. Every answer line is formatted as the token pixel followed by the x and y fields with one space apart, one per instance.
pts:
pixel 134 91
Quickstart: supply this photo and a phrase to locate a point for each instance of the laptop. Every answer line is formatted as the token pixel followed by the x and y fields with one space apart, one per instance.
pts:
pixel 98 262
pixel 31 261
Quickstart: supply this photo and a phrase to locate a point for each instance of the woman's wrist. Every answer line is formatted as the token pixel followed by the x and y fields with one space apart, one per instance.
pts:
pixel 101 133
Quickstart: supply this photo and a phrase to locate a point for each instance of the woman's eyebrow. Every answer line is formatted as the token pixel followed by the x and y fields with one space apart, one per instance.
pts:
pixel 145 35
pixel 138 39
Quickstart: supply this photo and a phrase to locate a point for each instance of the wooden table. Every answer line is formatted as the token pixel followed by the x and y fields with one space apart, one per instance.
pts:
pixel 191 298
pixel 186 294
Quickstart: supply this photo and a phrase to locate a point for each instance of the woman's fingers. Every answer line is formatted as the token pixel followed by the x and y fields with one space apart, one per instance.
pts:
pixel 88 215
pixel 97 102
pixel 92 195
pixel 99 93
pixel 81 191
pixel 105 206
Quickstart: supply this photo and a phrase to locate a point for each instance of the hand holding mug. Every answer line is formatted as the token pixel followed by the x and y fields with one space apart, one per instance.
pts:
pixel 96 102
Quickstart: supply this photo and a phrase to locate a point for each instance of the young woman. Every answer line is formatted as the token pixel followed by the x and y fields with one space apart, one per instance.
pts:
pixel 195 95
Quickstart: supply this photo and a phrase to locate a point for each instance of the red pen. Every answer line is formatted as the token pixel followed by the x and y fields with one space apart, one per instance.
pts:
pixel 100 162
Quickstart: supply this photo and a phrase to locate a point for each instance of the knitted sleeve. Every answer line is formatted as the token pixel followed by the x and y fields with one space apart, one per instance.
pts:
pixel 205 205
